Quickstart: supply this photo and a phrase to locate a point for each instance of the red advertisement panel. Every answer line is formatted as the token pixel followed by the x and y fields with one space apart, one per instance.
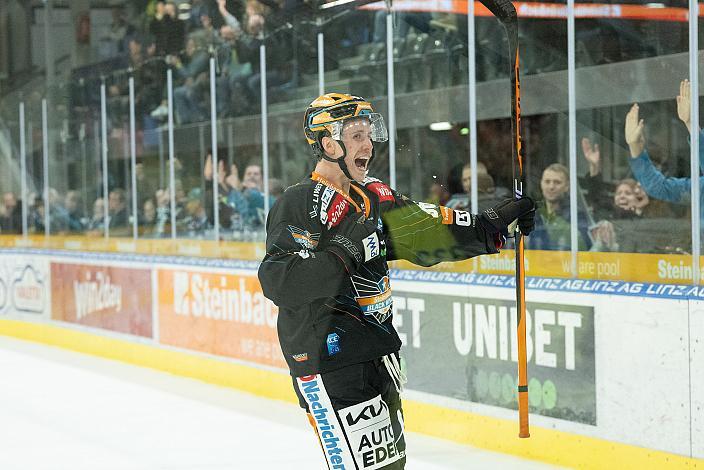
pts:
pixel 108 297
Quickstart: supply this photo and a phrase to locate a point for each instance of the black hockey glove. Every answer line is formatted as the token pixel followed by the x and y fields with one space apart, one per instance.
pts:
pixel 498 218
pixel 356 241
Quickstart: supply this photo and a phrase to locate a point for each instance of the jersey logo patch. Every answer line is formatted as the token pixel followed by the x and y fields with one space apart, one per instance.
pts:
pixel 373 297
pixel 371 246
pixel 338 209
pixel 463 218
pixel 383 191
pixel 447 215
pixel 333 342
pixel 316 200
pixel 304 237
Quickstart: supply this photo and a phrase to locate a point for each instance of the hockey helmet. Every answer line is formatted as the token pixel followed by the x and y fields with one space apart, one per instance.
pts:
pixel 327 114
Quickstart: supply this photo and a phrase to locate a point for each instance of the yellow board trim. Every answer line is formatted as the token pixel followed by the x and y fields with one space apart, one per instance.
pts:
pixel 632 267
pixel 499 435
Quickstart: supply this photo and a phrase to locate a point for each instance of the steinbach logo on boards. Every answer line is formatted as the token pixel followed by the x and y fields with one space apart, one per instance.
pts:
pixel 196 295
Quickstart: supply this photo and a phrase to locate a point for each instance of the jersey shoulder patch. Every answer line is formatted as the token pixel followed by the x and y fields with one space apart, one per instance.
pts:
pixel 380 189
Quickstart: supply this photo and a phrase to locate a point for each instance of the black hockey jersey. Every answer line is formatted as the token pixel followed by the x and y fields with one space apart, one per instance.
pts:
pixel 327 318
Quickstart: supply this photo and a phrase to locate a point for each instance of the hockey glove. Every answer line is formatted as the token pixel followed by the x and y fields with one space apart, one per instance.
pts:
pixel 497 219
pixel 355 242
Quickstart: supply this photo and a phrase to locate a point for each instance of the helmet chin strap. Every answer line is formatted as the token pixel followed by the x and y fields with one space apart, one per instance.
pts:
pixel 340 160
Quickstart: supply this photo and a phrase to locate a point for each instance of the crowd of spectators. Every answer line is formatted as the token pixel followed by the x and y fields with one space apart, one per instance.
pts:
pixel 161 37
pixel 240 207
pixel 430 50
pixel 640 210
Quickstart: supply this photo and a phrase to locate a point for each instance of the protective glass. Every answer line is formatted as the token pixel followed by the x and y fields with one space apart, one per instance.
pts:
pixel 376 123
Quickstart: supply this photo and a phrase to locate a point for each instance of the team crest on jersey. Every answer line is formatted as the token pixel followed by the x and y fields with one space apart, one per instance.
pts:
pixel 304 237
pixel 373 297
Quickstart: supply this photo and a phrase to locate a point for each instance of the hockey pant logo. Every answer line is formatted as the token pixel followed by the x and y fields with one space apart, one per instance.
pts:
pixel 360 436
pixel 338 454
pixel 370 433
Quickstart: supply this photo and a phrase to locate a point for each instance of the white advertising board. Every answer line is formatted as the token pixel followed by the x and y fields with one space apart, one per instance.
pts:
pixel 25 289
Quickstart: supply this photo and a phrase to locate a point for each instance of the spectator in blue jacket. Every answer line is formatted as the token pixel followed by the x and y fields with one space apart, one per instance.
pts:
pixel 657 185
pixel 247 197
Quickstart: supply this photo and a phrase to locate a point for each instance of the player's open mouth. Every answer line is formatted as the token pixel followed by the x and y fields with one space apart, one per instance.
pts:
pixel 361 163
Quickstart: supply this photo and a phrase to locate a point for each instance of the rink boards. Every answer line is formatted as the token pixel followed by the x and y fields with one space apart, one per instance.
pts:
pixel 616 368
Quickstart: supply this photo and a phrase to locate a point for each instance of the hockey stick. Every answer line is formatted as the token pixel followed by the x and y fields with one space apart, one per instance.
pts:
pixel 505 12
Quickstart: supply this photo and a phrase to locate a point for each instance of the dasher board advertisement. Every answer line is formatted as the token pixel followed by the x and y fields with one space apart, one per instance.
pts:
pixel 24 286
pixel 109 297
pixel 218 313
pixel 465 348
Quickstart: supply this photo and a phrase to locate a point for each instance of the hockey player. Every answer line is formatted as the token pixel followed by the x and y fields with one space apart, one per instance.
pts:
pixel 328 242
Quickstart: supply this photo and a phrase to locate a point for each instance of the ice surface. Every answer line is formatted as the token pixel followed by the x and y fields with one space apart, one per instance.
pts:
pixel 63 410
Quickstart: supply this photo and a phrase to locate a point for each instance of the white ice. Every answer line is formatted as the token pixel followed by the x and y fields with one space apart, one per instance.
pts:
pixel 63 410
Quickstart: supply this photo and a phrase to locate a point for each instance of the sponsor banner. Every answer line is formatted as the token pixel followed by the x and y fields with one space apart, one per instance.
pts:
pixel 371 434
pixel 108 297
pixel 222 314
pixel 195 248
pixel 587 286
pixel 24 285
pixel 630 267
pixel 637 267
pixel 475 342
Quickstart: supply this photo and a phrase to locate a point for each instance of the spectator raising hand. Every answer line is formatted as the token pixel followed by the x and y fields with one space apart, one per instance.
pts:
pixel 684 102
pixel 634 131
pixel 592 155
pixel 233 179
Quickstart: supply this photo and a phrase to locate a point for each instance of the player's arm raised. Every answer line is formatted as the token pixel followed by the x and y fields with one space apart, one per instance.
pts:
pixel 426 234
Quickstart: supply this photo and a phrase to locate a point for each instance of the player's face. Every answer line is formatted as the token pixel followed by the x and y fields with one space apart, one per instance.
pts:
pixel 357 137
pixel 554 185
